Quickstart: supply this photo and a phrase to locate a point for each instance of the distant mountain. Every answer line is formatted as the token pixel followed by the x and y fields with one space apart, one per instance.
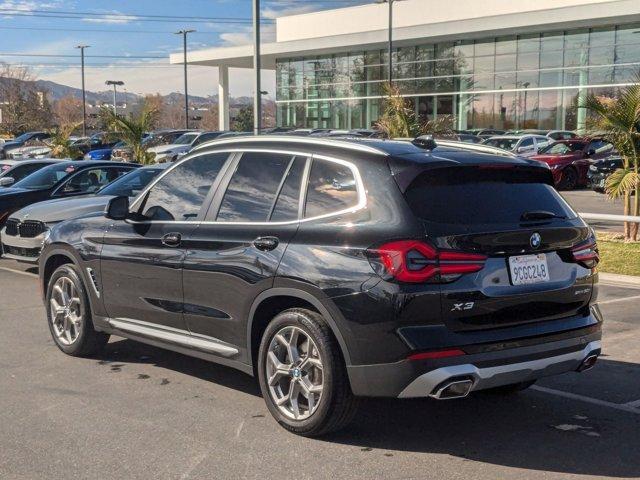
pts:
pixel 56 91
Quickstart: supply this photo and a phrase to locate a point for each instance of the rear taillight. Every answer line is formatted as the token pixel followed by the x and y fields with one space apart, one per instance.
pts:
pixel 586 253
pixel 413 261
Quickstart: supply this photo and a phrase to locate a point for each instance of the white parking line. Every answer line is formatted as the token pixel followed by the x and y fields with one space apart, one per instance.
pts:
pixel 603 403
pixel 615 300
pixel 635 404
pixel 20 272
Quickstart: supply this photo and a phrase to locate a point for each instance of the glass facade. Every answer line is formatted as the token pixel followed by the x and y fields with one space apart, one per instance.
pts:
pixel 512 82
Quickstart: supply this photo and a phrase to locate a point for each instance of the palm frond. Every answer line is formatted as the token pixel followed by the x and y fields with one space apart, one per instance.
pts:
pixel 622 181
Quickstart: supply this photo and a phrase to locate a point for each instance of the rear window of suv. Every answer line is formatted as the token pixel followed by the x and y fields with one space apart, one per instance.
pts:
pixel 472 195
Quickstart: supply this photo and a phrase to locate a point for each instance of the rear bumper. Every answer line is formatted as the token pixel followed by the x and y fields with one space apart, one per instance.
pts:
pixel 488 365
pixel 429 383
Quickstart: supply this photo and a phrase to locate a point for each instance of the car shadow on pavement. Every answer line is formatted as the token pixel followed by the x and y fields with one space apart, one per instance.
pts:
pixel 131 352
pixel 530 430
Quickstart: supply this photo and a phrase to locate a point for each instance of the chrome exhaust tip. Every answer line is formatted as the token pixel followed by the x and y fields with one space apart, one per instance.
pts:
pixel 451 389
pixel 588 363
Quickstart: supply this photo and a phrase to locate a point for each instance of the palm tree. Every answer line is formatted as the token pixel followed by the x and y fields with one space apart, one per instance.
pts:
pixel 618 121
pixel 131 130
pixel 399 119
pixel 61 144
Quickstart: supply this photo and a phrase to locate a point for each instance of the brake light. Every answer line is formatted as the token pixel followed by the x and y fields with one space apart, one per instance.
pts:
pixel 586 253
pixel 454 352
pixel 413 261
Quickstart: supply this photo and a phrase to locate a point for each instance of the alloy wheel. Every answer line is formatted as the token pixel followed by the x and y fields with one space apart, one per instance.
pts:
pixel 294 373
pixel 66 311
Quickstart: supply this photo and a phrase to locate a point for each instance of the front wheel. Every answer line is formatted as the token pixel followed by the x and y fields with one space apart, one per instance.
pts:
pixel 302 374
pixel 569 179
pixel 69 314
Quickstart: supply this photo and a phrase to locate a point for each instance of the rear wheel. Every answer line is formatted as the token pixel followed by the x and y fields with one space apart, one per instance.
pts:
pixel 569 179
pixel 69 314
pixel 303 376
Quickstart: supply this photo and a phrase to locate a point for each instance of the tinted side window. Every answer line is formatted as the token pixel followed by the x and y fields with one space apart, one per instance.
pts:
pixel 286 207
pixel 332 187
pixel 92 179
pixel 179 195
pixel 21 172
pixel 527 142
pixel 253 187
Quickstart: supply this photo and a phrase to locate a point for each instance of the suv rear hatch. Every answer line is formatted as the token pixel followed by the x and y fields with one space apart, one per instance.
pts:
pixel 535 254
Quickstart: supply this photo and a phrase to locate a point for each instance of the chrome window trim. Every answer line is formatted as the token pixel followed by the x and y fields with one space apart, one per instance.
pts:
pixel 292 139
pixel 362 198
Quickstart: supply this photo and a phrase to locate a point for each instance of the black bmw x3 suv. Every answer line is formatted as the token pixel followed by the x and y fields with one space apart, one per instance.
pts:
pixel 337 269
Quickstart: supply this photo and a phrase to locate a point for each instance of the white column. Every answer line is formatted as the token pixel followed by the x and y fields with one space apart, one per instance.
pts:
pixel 223 97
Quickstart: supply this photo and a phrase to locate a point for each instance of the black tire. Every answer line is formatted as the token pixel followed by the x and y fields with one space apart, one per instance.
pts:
pixel 569 179
pixel 337 404
pixel 89 341
pixel 509 389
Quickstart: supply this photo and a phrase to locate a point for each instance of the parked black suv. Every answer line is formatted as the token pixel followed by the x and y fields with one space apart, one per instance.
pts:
pixel 334 269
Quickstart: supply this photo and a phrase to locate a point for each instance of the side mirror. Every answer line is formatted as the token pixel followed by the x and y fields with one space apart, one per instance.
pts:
pixel 6 181
pixel 117 208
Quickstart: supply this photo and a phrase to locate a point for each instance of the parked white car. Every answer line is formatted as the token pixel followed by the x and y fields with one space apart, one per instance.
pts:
pixel 182 146
pixel 521 145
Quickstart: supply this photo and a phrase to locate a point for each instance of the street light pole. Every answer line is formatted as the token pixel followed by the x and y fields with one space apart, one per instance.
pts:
pixel 115 84
pixel 184 34
pixel 84 93
pixel 390 40
pixel 257 98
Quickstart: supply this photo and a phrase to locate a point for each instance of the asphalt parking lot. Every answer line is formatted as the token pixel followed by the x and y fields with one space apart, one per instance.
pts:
pixel 137 412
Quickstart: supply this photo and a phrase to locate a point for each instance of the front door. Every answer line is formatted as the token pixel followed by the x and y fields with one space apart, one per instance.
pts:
pixel 141 260
pixel 234 255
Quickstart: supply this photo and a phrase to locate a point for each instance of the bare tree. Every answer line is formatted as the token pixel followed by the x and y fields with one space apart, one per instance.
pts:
pixel 24 106
pixel 68 110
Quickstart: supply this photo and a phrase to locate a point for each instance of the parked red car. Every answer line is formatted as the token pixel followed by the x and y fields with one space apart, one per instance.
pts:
pixel 569 160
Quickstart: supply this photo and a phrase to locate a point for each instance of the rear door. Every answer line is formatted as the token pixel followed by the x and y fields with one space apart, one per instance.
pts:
pixel 526 230
pixel 234 254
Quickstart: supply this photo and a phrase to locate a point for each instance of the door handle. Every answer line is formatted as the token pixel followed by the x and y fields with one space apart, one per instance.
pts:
pixel 172 239
pixel 266 243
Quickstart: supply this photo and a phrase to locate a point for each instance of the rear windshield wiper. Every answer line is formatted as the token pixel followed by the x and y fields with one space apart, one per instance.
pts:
pixel 539 215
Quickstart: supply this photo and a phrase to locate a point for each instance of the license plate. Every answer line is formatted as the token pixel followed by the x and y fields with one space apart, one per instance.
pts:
pixel 602 182
pixel 528 269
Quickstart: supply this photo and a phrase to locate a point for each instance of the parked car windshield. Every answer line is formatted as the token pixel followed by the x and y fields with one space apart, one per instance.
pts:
pixel 504 143
pixel 131 184
pixel 562 148
pixel 46 177
pixel 186 139
pixel 22 138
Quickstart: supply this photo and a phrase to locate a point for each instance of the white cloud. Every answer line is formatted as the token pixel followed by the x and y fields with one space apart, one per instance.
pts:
pixel 23 7
pixel 112 17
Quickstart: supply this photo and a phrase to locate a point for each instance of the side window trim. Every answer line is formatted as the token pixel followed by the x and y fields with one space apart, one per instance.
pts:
pixel 305 188
pixel 220 187
pixel 227 171
pixel 280 187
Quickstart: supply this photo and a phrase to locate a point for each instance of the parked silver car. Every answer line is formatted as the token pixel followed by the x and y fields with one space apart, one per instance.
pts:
pixel 26 229
pixel 521 145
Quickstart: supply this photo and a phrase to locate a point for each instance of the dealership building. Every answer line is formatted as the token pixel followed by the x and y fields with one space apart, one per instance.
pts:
pixel 485 63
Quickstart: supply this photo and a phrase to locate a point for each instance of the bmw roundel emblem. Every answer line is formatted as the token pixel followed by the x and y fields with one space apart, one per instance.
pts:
pixel 535 240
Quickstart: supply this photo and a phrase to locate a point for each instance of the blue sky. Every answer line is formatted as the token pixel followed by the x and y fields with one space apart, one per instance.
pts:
pixel 42 27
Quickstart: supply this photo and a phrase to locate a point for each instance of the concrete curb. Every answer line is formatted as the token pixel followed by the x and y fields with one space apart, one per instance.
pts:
pixel 620 280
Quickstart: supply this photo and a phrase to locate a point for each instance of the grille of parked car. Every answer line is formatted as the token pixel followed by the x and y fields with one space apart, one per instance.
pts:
pixel 31 228
pixel 26 229
pixel 12 227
